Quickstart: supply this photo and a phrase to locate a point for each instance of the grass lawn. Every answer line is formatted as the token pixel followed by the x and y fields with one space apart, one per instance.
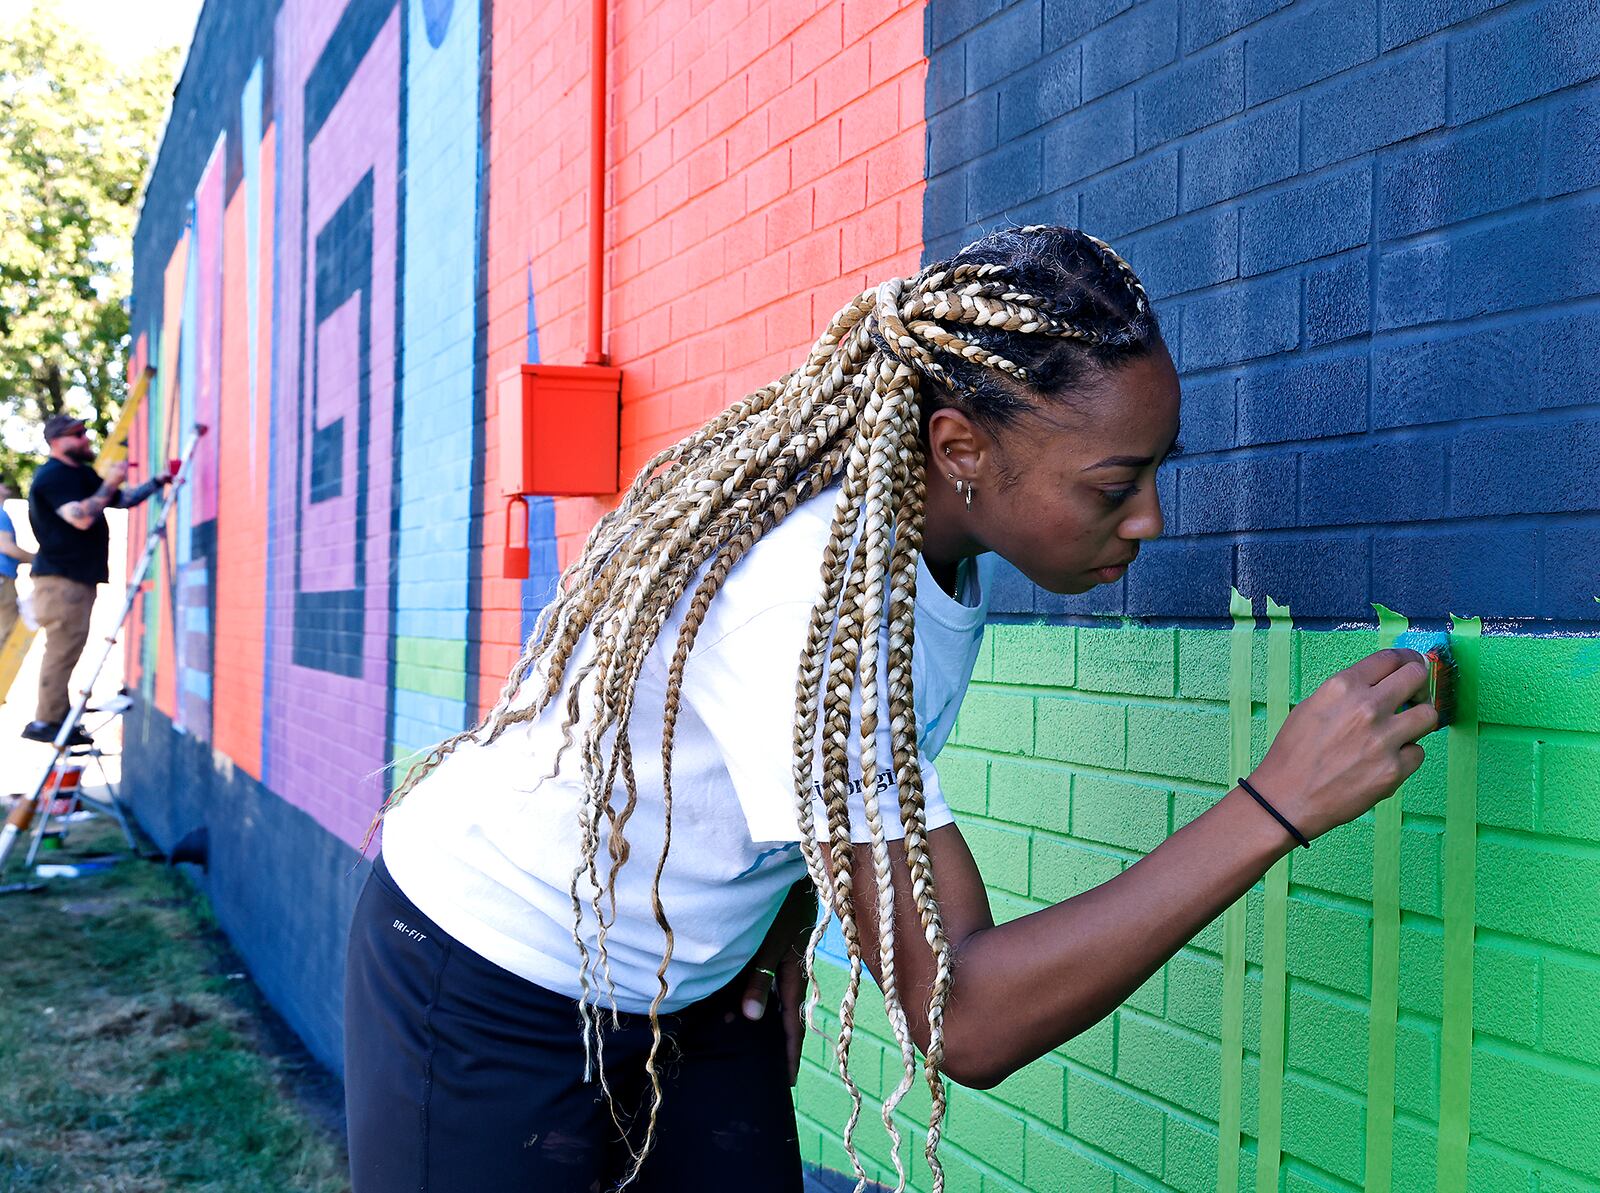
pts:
pixel 134 1055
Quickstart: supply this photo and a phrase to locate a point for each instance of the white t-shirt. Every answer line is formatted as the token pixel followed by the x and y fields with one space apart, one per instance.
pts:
pixel 487 843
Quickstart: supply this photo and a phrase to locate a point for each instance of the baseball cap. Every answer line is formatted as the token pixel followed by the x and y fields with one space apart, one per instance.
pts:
pixel 62 424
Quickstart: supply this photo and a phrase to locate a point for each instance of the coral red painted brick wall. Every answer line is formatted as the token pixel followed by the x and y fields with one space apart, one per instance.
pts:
pixel 240 666
pixel 765 165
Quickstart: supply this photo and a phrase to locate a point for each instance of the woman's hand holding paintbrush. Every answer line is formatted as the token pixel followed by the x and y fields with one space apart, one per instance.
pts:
pixel 1351 743
pixel 1023 987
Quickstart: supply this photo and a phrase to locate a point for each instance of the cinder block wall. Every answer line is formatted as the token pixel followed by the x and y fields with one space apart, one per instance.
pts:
pixel 1371 235
pixel 1080 749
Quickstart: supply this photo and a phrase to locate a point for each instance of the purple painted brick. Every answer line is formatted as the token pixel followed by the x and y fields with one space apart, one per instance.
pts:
pixel 1039 95
pixel 1460 175
pixel 1214 20
pixel 1136 196
pixel 1305 399
pixel 1201 91
pixel 1470 572
pixel 1241 322
pixel 1251 494
pixel 1312 219
pixel 1523 469
pixel 1391 100
pixel 1383 481
pixel 1242 155
pixel 1526 53
pixel 999 47
pixel 1413 285
pixel 1546 257
pixel 1180 577
pixel 1195 252
pixel 1089 140
pixel 1320 576
pixel 1307 44
pixel 1130 46
pixel 1338 301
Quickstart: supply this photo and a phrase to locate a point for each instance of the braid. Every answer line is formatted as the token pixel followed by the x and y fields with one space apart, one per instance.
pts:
pixel 1010 320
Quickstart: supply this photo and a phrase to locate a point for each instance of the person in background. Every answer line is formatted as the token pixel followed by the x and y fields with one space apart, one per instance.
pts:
pixel 66 505
pixel 11 554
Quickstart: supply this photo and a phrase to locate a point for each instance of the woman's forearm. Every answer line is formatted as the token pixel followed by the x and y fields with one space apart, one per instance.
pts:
pixel 1024 987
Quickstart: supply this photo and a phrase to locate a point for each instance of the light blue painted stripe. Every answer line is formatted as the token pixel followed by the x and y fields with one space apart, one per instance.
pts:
pixel 250 140
pixel 433 559
pixel 423 709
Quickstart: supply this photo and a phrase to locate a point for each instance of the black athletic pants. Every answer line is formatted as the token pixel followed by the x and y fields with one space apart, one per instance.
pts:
pixel 459 1075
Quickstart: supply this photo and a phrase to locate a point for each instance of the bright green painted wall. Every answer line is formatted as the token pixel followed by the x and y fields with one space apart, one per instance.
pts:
pixel 1078 750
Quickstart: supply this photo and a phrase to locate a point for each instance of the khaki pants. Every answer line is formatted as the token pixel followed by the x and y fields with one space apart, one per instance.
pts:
pixel 62 607
pixel 8 607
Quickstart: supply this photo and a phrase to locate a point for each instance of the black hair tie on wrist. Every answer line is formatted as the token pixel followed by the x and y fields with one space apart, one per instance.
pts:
pixel 1276 815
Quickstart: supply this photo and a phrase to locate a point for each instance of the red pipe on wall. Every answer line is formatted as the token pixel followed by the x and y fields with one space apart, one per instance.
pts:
pixel 597 182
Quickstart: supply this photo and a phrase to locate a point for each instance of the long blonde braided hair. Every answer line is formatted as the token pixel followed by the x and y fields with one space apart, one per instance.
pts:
pixel 1015 317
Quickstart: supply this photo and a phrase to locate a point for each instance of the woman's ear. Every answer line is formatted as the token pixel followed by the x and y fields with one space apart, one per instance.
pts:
pixel 957 446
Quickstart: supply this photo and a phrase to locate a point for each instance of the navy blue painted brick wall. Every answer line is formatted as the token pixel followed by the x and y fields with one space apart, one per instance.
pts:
pixel 1372 232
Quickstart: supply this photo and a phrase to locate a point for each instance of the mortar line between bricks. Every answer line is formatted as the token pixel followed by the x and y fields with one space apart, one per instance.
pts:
pixel 1191 1118
pixel 1320 1083
pixel 1083 1147
pixel 1575 1069
pixel 1545 842
pixel 1093 696
pixel 1333 900
pixel 1303 1167
pixel 1536 733
pixel 1503 1151
pixel 1186 785
pixel 1537 949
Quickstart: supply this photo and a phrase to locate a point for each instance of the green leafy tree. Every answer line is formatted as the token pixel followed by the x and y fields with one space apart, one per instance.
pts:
pixel 77 129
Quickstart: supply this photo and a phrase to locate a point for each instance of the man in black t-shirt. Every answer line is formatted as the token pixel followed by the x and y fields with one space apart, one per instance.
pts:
pixel 66 504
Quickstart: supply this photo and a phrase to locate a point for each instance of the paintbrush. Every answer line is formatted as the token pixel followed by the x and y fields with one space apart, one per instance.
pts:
pixel 1441 688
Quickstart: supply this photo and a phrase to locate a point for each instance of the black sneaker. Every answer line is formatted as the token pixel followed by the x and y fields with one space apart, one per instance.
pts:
pixel 46 731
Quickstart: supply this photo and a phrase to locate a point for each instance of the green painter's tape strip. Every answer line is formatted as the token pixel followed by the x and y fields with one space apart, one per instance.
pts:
pixel 1233 920
pixel 1385 965
pixel 1274 931
pixel 1460 861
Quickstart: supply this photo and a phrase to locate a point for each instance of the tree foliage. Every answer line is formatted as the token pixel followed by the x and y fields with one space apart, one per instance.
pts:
pixel 77 129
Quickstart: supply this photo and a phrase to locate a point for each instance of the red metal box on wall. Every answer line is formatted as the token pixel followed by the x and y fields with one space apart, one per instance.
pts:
pixel 559 430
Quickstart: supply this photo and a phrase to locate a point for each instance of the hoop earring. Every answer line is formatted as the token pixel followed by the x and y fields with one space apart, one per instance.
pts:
pixel 963 489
